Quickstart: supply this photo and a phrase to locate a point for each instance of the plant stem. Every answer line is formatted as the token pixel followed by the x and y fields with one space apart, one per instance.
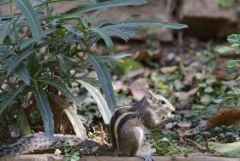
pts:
pixel 47 9
pixel 23 123
pixel 12 19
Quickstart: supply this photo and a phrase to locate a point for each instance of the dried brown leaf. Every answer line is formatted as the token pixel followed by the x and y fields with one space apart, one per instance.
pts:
pixel 141 55
pixel 223 75
pixel 120 85
pixel 122 47
pixel 169 69
pixel 184 124
pixel 205 100
pixel 157 55
pixel 186 95
pixel 183 132
pixel 138 88
pixel 188 79
pixel 220 74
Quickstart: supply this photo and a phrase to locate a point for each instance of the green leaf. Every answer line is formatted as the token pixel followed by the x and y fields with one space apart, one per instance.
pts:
pixel 102 104
pixel 228 149
pixel 45 110
pixel 105 81
pixel 73 30
pixel 4 28
pixel 14 61
pixel 232 63
pixel 234 38
pixel 208 90
pixel 65 68
pixel 32 18
pixel 105 37
pixel 113 58
pixel 225 50
pixel 57 83
pixel 225 3
pixel 44 3
pixel 237 49
pixel 128 65
pixel 7 102
pixel 33 64
pixel 23 73
pixel 142 22
pixel 105 5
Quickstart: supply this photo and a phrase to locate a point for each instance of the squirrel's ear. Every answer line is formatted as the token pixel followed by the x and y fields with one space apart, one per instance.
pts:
pixel 149 94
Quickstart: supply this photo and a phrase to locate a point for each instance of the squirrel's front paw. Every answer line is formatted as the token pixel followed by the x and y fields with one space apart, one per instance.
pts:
pixel 146 157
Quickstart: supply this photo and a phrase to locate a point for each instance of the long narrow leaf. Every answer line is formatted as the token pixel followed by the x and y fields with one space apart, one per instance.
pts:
pixel 101 103
pixel 105 81
pixel 76 123
pixel 32 18
pixel 60 86
pixel 59 1
pixel 113 58
pixel 122 33
pixel 105 5
pixel 16 60
pixel 9 100
pixel 23 73
pixel 142 22
pixel 45 110
pixel 110 60
pixel 73 30
pixel 4 28
pixel 105 37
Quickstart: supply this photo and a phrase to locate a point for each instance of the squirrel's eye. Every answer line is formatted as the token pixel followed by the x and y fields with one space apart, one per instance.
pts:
pixel 162 102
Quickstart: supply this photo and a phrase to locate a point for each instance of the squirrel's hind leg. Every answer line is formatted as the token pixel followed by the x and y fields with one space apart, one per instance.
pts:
pixel 129 147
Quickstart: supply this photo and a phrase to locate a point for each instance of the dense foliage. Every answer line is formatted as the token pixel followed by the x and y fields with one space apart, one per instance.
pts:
pixel 43 54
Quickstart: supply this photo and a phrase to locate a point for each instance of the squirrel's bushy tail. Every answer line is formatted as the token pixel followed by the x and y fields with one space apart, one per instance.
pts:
pixel 40 142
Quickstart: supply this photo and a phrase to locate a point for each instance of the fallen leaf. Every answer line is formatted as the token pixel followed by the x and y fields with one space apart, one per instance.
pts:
pixel 119 85
pixel 227 150
pixel 169 69
pixel 92 74
pixel 186 95
pixel 128 65
pixel 205 100
pixel 230 83
pixel 184 124
pixel 122 47
pixel 100 135
pixel 156 55
pixel 138 88
pixel 170 125
pixel 135 73
pixel 188 79
pixel 182 104
pixel 183 132
pixel 221 74
pixel 141 55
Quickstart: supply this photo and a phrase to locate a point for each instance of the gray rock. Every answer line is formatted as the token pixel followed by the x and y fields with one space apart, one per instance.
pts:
pixel 206 19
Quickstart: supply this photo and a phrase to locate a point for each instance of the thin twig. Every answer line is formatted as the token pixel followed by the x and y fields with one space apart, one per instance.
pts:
pixel 195 144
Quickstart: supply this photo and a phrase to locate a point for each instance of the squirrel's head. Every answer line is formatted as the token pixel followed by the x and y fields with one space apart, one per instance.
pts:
pixel 159 105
